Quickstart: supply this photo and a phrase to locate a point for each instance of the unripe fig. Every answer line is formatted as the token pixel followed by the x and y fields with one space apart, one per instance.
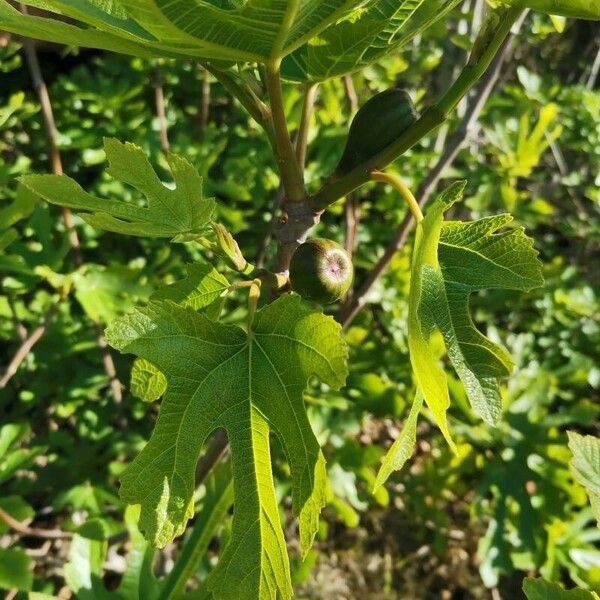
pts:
pixel 321 270
pixel 377 124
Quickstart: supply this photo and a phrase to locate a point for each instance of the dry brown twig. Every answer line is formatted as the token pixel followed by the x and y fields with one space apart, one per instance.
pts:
pixel 204 100
pixel 351 206
pixel 161 113
pixel 26 530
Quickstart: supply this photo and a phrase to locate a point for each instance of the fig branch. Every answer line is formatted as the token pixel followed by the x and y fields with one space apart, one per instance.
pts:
pixel 291 174
pixel 486 47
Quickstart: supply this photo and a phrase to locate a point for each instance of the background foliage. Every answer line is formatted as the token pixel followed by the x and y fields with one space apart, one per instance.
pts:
pixel 452 526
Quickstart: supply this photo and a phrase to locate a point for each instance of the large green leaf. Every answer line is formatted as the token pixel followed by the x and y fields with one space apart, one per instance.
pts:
pixel 324 38
pixel 586 466
pixel 451 261
pixel 362 37
pixel 249 384
pixel 538 589
pixel 476 255
pixel 181 213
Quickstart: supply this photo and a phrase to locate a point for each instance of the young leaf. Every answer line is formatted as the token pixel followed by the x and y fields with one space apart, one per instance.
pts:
pixel 250 384
pixel 538 589
pixel 586 466
pixel 430 377
pixel 402 448
pixel 201 286
pixel 181 213
pixel 450 262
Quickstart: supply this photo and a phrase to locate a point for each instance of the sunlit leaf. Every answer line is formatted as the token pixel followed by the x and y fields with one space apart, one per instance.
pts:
pixel 249 384
pixel 180 213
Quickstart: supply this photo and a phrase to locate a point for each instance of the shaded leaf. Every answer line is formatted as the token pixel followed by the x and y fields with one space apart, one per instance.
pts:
pixel 15 569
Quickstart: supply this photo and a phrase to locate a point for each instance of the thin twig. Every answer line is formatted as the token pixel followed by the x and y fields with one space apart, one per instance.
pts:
pixel 428 185
pixel 308 104
pixel 52 137
pixel 215 450
pixel 204 100
pixel 351 206
pixel 161 113
pixel 350 93
pixel 563 170
pixel 28 343
pixel 25 530
pixel 19 327
pixel 591 82
pixel 352 218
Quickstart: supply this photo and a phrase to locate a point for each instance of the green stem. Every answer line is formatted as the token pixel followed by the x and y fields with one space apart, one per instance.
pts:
pixel 429 120
pixel 307 110
pixel 255 107
pixel 402 189
pixel 291 175
pixel 253 298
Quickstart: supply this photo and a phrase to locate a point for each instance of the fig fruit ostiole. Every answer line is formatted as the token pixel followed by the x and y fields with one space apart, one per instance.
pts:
pixel 321 270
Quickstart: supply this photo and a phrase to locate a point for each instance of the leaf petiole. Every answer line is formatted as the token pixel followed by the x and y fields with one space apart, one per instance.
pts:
pixel 402 189
pixel 253 297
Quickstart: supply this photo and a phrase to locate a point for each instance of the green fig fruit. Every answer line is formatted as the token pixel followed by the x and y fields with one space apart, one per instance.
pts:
pixel 321 270
pixel 378 123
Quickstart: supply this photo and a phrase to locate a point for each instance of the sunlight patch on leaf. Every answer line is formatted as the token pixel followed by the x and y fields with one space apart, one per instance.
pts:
pixel 586 466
